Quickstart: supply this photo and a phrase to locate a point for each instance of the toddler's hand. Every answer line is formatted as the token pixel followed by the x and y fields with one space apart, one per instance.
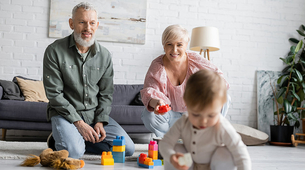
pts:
pixel 174 161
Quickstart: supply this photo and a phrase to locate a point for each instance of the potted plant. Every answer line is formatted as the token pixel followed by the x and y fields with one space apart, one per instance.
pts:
pixel 290 93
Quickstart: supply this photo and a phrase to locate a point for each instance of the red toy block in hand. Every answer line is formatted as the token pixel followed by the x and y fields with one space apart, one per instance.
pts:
pixel 164 108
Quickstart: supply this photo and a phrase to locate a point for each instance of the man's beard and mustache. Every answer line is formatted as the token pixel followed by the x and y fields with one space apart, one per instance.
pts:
pixel 78 38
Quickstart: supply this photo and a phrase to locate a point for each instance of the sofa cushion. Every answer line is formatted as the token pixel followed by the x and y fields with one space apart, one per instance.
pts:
pixel 11 90
pixel 125 94
pixel 32 90
pixel 23 111
pixel 1 92
pixel 127 114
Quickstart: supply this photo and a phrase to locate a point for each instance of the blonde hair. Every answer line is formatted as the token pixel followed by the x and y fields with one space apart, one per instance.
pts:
pixel 174 32
pixel 203 88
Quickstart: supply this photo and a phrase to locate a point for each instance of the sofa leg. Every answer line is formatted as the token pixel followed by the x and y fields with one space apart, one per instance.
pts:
pixel 4 134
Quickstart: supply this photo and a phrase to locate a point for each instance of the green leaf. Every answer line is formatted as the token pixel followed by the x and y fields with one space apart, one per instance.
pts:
pixel 292 49
pixel 284 60
pixel 280 100
pixel 299 46
pixel 282 79
pixel 290 116
pixel 286 69
pixel 303 27
pixel 295 95
pixel 294 40
pixel 300 77
pixel 300 32
pixel 287 106
pixel 303 84
pixel 290 58
pixel 280 93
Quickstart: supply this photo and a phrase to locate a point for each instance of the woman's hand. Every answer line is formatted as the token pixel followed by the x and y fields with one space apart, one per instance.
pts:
pixel 175 163
pixel 155 103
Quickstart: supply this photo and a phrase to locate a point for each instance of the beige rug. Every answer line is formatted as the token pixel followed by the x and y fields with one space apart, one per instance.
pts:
pixel 20 150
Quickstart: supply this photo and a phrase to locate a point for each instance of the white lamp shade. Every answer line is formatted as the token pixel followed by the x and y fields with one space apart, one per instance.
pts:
pixel 205 38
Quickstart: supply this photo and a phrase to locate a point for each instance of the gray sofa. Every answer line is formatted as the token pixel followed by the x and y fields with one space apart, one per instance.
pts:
pixel 24 115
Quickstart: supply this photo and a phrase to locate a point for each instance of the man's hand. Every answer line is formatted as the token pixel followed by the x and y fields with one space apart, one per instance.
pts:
pixel 175 163
pixel 88 133
pixel 99 129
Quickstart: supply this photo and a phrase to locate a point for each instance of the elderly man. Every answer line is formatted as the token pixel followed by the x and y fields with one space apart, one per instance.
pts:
pixel 78 79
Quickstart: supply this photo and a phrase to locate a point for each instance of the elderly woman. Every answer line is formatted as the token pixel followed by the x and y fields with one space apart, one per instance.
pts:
pixel 166 79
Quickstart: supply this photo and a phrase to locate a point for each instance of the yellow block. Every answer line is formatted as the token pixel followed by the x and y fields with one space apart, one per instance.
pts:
pixel 118 148
pixel 109 161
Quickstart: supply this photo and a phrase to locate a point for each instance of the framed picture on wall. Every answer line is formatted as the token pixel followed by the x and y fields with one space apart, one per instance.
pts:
pixel 119 20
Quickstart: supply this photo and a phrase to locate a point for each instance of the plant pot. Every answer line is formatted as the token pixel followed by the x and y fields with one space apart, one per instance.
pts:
pixel 281 134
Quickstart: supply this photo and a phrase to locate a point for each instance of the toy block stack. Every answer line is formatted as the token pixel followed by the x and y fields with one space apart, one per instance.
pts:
pixel 107 159
pixel 118 149
pixel 152 159
pixel 145 162
pixel 153 153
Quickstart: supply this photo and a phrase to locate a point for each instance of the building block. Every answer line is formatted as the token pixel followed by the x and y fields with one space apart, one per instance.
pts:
pixel 153 154
pixel 118 148
pixel 164 108
pixel 144 161
pixel 153 146
pixel 107 159
pixel 119 157
pixel 148 161
pixel 186 159
pixel 157 162
pixel 141 158
pixel 119 141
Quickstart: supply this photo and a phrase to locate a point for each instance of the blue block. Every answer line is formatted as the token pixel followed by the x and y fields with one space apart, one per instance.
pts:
pixel 119 141
pixel 119 157
pixel 146 166
pixel 157 162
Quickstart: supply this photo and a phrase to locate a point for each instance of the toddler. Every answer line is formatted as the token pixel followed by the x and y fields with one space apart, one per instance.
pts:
pixel 206 134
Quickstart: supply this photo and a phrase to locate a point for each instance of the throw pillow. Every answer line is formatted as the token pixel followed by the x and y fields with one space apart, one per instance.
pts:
pixel 11 90
pixel 137 100
pixel 32 90
pixel 251 136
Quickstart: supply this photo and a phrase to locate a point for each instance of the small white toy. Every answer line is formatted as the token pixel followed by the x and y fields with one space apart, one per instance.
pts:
pixel 186 159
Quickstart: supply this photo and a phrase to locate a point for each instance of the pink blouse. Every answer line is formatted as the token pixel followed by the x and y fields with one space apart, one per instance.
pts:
pixel 158 86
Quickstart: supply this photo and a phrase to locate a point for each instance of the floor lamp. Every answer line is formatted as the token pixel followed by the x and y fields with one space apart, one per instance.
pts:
pixel 205 39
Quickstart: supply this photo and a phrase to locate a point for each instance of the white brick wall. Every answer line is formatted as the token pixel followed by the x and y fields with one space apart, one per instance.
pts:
pixel 253 34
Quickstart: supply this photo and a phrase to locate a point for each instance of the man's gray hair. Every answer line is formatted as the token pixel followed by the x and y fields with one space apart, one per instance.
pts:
pixel 86 5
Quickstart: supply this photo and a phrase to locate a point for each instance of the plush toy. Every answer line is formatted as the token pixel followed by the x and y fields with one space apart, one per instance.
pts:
pixel 55 159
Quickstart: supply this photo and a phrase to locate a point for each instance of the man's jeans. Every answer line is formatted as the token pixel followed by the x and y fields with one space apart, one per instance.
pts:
pixel 67 137
pixel 160 124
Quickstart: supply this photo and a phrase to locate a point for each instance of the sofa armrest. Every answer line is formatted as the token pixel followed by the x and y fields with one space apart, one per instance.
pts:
pixel 1 92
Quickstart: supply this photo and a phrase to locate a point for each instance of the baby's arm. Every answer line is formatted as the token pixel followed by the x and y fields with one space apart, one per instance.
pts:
pixel 235 145
pixel 168 143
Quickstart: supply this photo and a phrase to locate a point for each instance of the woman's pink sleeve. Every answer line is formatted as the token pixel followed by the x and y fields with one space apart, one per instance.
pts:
pixel 154 85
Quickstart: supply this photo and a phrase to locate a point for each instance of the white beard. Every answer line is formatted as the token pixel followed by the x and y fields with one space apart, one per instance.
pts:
pixel 84 43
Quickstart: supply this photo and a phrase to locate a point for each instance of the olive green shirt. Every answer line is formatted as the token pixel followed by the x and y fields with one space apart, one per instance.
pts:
pixel 77 89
